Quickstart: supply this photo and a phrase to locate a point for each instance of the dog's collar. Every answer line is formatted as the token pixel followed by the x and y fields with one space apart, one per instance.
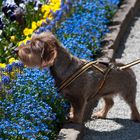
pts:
pixel 78 73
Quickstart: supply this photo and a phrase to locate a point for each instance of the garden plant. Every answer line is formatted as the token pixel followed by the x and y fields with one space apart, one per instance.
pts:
pixel 30 106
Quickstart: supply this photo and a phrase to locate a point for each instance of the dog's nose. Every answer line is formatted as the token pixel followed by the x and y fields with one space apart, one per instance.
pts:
pixel 16 50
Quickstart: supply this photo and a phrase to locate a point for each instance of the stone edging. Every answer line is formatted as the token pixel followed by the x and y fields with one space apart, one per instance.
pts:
pixel 71 131
pixel 120 23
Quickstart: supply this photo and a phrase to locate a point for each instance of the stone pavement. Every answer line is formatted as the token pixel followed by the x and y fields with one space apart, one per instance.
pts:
pixel 118 125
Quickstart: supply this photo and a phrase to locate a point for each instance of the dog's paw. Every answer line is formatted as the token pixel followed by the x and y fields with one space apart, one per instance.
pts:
pixel 136 119
pixel 71 115
pixel 135 116
pixel 73 120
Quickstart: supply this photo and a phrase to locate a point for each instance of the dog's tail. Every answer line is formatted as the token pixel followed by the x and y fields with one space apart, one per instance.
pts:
pixel 130 64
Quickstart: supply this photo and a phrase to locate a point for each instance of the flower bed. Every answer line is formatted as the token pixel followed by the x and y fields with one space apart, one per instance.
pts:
pixel 30 110
pixel 20 19
pixel 30 106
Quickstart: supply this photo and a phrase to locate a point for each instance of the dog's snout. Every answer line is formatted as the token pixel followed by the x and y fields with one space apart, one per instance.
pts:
pixel 16 50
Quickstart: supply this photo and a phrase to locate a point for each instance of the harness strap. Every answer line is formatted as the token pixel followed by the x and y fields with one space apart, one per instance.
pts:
pixel 79 72
pixel 88 65
pixel 102 81
pixel 100 84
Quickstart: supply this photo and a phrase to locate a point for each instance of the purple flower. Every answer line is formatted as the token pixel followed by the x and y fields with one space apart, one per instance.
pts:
pixel 12 17
pixel 5 79
pixel 9 68
pixel 0 86
pixel 52 23
pixel 18 64
pixel 8 7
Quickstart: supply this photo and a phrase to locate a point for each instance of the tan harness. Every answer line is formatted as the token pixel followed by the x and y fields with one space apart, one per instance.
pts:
pixel 105 73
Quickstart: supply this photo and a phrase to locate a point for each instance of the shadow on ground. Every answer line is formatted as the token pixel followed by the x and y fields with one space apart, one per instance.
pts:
pixel 129 131
pixel 120 50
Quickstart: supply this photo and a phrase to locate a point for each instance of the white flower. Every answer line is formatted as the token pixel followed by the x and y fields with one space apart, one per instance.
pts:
pixel 22 5
pixel 0 33
pixel 36 8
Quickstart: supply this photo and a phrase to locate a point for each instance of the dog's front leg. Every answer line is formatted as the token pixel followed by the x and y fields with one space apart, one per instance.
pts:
pixel 77 110
pixel 71 113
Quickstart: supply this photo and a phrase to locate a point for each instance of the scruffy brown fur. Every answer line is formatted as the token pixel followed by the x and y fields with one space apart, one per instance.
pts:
pixel 44 50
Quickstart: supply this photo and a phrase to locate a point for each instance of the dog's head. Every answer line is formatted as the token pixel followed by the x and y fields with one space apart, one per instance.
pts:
pixel 41 51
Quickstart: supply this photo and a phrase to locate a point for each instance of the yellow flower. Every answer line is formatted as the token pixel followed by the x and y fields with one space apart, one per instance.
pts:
pixel 53 5
pixel 55 8
pixel 12 74
pixel 12 38
pixel 2 65
pixel 46 14
pixel 50 17
pixel 45 8
pixel 26 39
pixel 55 1
pixel 39 23
pixel 27 31
pixel 11 60
pixel 30 31
pixel 19 43
pixel 34 25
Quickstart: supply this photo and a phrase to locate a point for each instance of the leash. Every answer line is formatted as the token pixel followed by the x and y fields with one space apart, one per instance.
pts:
pixel 130 64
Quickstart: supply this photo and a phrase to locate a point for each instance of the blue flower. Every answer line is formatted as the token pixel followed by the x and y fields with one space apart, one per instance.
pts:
pixel 10 91
pixel 35 109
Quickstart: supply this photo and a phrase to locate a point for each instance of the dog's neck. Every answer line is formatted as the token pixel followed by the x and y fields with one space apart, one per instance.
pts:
pixel 64 65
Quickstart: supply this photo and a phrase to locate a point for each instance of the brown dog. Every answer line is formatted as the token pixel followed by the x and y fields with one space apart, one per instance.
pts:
pixel 44 50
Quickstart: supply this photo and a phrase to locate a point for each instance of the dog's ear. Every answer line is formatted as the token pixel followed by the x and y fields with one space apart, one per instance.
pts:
pixel 25 54
pixel 48 43
pixel 48 57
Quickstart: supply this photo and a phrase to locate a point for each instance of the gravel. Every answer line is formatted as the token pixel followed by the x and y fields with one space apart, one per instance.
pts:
pixel 118 125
